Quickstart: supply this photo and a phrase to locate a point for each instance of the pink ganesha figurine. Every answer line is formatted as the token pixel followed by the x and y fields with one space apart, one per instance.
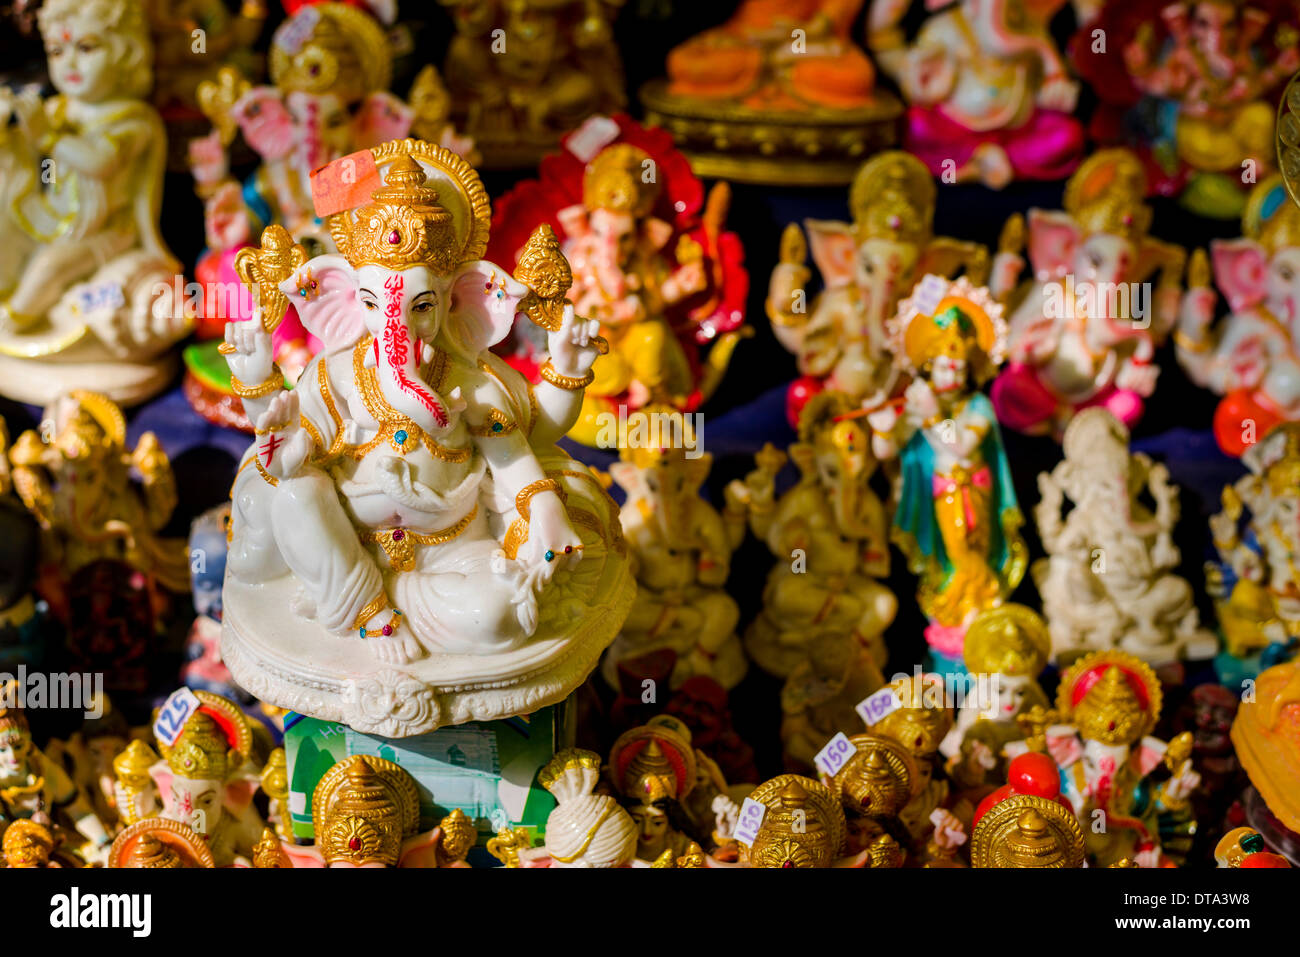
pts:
pixel 990 98
pixel 1251 359
pixel 1085 327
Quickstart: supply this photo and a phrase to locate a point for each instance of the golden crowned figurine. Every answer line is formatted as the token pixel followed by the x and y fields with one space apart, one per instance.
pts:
pixel 957 519
pixel 1108 703
pixel 408 547
pixel 1026 830
pixel 779 93
pixel 803 824
pixel 159 842
pixel 874 785
pixel 86 292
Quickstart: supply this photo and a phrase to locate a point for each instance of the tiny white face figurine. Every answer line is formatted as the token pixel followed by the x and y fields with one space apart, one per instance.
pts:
pixel 81 60
pixel 196 802
pixel 1004 697
pixel 1103 760
pixel 948 373
pixel 13 754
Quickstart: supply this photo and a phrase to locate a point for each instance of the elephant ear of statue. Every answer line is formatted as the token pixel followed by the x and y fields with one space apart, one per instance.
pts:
pixel 324 292
pixel 1240 270
pixel 484 302
pixel 1054 237
pixel 833 250
pixel 265 122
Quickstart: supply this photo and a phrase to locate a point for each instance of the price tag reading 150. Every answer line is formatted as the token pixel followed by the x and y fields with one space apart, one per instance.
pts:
pixel 173 714
pixel 831 758
pixel 750 820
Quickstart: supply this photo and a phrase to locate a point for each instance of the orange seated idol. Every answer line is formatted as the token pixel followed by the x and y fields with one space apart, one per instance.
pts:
pixel 778 54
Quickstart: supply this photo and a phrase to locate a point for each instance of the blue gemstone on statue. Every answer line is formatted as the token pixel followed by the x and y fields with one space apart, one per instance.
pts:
pixel 400 436
pixel 550 555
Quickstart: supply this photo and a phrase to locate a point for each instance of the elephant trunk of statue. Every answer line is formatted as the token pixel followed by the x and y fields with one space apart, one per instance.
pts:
pixel 397 364
pixel 847 503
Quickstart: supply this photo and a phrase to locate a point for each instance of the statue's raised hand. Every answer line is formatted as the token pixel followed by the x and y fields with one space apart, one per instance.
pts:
pixel 282 443
pixel 249 352
pixel 575 345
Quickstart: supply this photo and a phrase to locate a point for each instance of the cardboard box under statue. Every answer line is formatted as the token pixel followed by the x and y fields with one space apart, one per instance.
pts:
pixel 487 769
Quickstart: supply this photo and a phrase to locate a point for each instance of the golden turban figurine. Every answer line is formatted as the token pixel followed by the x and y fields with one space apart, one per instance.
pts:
pixel 803 826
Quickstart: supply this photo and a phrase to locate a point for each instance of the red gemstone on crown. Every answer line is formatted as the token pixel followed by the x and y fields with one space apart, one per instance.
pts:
pixel 398 534
pixel 394 237
pixel 354 844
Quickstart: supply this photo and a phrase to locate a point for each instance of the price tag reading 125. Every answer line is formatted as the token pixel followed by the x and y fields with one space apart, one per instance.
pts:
pixel 750 820
pixel 832 757
pixel 884 702
pixel 173 714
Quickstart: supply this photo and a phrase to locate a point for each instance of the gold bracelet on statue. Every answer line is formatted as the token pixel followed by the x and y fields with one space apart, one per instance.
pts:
pixel 532 488
pixel 373 607
pixel 1184 341
pixel 570 383
pixel 271 384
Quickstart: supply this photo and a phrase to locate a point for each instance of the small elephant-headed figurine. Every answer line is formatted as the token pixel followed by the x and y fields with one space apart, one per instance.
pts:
pixel 1109 578
pixel 1006 649
pixel 206 778
pixel 990 96
pixel 682 549
pixel 828 535
pixel 408 490
pixel 366 813
pixel 1251 357
pixel 1253 581
pixel 1108 702
pixel 867 266
pixel 1085 324
pixel 86 297
pixel 652 261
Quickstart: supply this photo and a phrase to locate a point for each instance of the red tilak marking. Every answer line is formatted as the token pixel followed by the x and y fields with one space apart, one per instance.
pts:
pixel 272 443
pixel 397 347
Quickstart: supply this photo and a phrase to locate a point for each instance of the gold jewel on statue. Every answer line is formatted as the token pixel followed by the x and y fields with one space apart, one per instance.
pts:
pixel 437 218
pixel 27 844
pixel 1009 640
pixel 160 842
pixel 390 420
pixel 263 268
pixel 1104 195
pixel 1027 831
pixel 803 826
pixel 569 383
pixel 266 852
pixel 272 384
pixel 543 268
pixel 892 197
pixel 364 807
pixel 458 835
pixel 1111 709
pixel 399 544
pixel 616 180
pixel 526 494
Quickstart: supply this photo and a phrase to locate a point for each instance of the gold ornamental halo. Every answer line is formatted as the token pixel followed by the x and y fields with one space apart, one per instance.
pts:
pixel 1288 138
pixel 442 217
pixel 1104 195
pixel 1109 709
pixel 1025 830
pixel 171 836
pixel 893 197
pixel 1010 639
pixel 346 53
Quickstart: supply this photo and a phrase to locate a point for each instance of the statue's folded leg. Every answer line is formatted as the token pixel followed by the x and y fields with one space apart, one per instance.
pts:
pixel 52 268
pixel 322 550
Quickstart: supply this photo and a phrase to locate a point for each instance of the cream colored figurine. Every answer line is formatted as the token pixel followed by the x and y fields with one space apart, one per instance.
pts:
pixel 86 295
pixel 682 549
pixel 409 549
pixel 828 535
pixel 1108 581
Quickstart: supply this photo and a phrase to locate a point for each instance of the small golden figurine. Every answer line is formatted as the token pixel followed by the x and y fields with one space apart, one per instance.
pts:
pixel 28 844
pixel 681 547
pixel 1027 831
pixel 779 93
pixel 522 73
pixel 803 824
pixel 874 785
pixel 160 843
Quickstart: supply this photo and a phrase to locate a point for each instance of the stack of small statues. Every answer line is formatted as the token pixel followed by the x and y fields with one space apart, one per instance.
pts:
pixel 446 392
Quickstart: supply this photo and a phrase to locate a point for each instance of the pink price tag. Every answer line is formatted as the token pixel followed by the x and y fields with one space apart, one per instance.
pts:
pixel 346 183
pixel 877 706
pixel 296 32
pixel 749 821
pixel 172 716
pixel 592 137
pixel 835 755
pixel 929 293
